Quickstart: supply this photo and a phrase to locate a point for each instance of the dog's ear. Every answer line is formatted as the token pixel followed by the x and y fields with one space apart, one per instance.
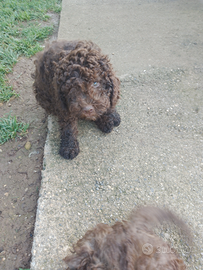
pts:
pixel 59 82
pixel 112 82
pixel 83 256
pixel 79 260
pixel 115 92
pixel 83 261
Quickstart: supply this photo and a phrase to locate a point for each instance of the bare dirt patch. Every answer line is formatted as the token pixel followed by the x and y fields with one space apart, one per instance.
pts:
pixel 20 169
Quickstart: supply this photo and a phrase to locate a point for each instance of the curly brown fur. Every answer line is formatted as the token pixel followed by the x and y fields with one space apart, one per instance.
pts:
pixel 74 80
pixel 120 247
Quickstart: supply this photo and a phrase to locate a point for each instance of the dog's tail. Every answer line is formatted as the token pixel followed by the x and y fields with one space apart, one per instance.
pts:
pixel 148 217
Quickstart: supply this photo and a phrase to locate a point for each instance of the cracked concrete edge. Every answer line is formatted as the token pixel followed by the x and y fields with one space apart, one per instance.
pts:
pixel 47 151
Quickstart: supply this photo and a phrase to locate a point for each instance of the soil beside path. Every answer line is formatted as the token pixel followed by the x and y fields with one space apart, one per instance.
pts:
pixel 20 169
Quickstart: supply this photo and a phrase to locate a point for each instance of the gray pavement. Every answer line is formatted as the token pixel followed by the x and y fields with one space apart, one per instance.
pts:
pixel 156 154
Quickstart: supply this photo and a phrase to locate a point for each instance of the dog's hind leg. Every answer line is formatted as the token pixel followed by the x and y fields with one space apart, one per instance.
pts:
pixel 108 121
pixel 69 147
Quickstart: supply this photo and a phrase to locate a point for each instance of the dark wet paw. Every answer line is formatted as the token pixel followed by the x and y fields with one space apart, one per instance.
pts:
pixel 116 119
pixel 105 126
pixel 69 150
pixel 108 121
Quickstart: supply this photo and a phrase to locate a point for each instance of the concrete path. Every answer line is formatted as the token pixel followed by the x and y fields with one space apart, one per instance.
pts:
pixel 156 154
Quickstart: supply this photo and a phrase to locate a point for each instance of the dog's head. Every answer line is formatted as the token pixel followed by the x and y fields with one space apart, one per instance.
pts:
pixel 87 86
pixel 102 248
pixel 87 252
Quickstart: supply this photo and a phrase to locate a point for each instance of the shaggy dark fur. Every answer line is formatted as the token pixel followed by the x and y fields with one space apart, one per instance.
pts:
pixel 74 80
pixel 128 245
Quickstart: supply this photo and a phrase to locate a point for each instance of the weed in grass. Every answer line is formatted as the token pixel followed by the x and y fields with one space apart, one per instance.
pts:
pixel 21 31
pixel 6 91
pixel 10 128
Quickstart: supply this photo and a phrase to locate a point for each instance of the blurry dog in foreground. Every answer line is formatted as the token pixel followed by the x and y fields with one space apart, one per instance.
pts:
pixel 128 245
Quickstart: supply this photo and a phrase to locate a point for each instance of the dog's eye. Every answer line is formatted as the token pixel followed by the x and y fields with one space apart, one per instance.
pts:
pixel 95 84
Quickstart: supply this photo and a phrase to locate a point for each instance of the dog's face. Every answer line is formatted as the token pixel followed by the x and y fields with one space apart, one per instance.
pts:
pixel 89 99
pixel 86 83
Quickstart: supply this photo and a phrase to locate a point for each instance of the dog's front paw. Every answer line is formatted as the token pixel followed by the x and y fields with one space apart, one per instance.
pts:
pixel 69 150
pixel 105 127
pixel 108 121
pixel 116 119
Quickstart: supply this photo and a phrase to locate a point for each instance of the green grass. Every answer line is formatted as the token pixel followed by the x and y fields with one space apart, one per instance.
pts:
pixel 21 33
pixel 10 128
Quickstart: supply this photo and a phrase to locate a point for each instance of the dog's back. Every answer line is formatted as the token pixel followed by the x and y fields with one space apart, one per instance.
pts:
pixel 146 218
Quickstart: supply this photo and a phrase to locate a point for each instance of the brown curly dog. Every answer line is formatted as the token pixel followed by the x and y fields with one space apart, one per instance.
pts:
pixel 128 245
pixel 74 80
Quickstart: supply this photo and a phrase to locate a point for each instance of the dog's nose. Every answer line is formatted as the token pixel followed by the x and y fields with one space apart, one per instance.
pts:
pixel 89 109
